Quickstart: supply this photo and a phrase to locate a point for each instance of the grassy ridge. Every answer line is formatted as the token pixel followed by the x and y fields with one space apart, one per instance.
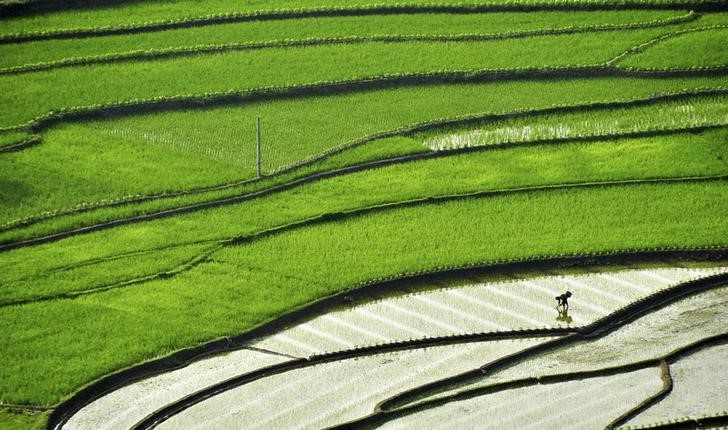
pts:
pixel 22 420
pixel 37 93
pixel 201 147
pixel 644 158
pixel 12 137
pixel 688 50
pixel 122 327
pixel 16 54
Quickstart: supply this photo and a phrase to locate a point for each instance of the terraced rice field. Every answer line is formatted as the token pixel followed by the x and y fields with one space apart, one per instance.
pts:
pixel 386 250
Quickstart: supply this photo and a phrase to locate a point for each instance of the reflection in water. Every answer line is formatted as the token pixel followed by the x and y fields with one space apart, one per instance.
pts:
pixel 564 315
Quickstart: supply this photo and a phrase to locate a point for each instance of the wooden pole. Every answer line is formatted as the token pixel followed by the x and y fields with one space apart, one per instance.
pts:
pixel 259 170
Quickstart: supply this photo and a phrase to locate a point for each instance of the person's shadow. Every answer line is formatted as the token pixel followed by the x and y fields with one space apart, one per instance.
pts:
pixel 564 315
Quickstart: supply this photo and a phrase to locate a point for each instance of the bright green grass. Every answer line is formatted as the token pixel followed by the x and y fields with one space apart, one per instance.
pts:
pixel 16 54
pixel 686 113
pixel 156 11
pixel 22 420
pixel 175 150
pixel 693 49
pixel 35 94
pixel 72 342
pixel 12 137
pixel 674 156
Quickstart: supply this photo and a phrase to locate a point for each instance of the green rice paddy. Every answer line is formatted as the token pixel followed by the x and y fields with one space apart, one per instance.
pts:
pixel 397 138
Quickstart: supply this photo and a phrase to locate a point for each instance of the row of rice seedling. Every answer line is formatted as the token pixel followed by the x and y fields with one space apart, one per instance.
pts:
pixel 696 49
pixel 99 333
pixel 431 24
pixel 581 404
pixel 477 308
pixel 293 130
pixel 699 389
pixel 151 14
pixel 459 174
pixel 122 408
pixel 37 93
pixel 691 112
pixel 327 394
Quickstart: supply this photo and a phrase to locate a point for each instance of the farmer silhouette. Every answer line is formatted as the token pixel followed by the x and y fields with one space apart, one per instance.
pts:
pixel 563 307
pixel 563 301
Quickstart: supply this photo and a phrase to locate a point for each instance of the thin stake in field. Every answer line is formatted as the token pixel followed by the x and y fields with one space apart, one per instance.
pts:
pixel 258 146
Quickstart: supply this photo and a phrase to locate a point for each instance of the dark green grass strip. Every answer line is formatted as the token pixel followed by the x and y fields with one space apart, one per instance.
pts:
pixel 200 258
pixel 33 140
pixel 599 328
pixel 36 272
pixel 698 155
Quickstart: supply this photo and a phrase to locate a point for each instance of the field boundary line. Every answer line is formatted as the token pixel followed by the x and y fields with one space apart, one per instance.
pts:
pixel 21 407
pixel 571 335
pixel 343 11
pixel 156 53
pixel 387 409
pixel 124 255
pixel 190 263
pixel 402 131
pixel 667 385
pixel 708 421
pixel 32 140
